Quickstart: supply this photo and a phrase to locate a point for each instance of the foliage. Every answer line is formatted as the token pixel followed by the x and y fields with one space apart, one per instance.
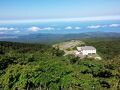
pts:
pixel 42 67
pixel 108 49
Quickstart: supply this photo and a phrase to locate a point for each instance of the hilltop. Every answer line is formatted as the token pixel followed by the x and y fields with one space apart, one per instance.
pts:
pixel 70 47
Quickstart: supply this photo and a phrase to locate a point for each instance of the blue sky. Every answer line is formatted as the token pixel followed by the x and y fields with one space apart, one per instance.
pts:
pixel 49 9
pixel 59 16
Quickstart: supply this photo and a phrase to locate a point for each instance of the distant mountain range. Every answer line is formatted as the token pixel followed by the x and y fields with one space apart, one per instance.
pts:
pixel 50 38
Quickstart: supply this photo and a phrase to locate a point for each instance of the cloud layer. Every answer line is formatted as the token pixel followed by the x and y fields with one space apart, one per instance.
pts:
pixel 102 26
pixel 73 28
pixel 77 28
pixel 96 26
pixel 4 30
pixel 7 29
pixel 35 29
pixel 68 28
pixel 114 25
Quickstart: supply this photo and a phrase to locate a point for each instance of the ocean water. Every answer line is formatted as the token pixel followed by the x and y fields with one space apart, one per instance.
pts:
pixel 61 27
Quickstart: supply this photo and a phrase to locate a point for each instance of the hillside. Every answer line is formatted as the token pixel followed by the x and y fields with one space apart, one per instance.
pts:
pixel 56 38
pixel 26 66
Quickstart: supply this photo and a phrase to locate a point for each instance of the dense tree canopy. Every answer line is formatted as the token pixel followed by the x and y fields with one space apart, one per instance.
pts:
pixel 42 67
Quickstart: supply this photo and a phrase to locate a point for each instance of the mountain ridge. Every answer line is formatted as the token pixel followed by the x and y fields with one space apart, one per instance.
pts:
pixel 45 38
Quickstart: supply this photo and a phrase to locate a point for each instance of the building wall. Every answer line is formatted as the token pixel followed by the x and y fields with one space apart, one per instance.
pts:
pixel 86 52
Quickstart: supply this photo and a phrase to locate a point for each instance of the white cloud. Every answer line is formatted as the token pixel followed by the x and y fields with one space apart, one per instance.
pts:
pixel 7 29
pixel 114 25
pixel 48 28
pixel 94 27
pixel 77 28
pixel 68 28
pixel 35 29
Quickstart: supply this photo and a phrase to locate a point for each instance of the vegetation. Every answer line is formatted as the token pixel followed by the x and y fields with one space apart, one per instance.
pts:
pixel 42 67
pixel 107 48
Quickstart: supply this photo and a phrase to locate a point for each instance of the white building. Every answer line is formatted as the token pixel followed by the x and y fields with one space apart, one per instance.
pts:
pixel 86 50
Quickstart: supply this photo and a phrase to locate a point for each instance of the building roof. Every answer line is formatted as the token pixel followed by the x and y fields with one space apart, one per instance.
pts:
pixel 78 48
pixel 86 48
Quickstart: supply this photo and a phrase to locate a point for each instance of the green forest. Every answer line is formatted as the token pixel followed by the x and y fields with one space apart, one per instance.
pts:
pixel 25 66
